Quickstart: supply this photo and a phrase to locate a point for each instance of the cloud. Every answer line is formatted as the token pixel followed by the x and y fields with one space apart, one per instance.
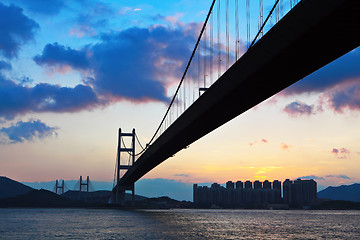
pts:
pixel 5 65
pixel 329 76
pixel 127 10
pixel 339 176
pixel 16 30
pixel 93 20
pixel 258 141
pixel 136 64
pixel 345 96
pixel 325 177
pixel 181 175
pixel 285 146
pixel 159 52
pixel 312 177
pixel 60 57
pixel 28 131
pixel 340 153
pixel 338 84
pixel 16 99
pixel 298 108
pixel 46 7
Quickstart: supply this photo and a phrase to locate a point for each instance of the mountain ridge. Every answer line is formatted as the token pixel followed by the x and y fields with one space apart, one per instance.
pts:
pixel 343 192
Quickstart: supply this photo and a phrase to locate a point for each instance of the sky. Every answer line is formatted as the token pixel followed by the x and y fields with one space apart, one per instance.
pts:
pixel 73 72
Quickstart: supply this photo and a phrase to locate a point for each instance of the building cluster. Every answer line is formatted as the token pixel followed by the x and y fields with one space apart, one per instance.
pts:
pixel 256 194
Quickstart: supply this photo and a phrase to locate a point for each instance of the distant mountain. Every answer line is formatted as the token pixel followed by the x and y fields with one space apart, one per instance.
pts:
pixel 145 187
pixel 10 188
pixel 39 198
pixel 344 192
pixel 98 195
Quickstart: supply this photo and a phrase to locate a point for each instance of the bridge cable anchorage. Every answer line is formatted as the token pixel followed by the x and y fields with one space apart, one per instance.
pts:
pixel 262 27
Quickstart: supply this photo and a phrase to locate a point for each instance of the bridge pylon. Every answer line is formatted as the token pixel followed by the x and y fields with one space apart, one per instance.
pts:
pixel 119 197
pixel 59 189
pixel 84 183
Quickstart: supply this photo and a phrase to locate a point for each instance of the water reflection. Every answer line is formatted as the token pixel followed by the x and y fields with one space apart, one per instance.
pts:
pixel 177 224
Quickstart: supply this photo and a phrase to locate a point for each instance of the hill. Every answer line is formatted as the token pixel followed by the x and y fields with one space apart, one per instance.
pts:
pixel 97 196
pixel 344 193
pixel 39 198
pixel 10 188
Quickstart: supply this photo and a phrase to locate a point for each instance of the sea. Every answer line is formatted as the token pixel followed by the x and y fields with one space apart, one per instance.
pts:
pixel 177 224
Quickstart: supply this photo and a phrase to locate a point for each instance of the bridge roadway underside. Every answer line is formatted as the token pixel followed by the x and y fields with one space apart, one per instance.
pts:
pixel 311 35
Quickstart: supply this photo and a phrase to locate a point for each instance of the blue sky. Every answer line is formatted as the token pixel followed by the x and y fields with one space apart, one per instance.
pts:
pixel 72 72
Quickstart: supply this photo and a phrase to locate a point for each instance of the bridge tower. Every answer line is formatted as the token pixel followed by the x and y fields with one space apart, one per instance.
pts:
pixel 84 183
pixel 60 187
pixel 120 190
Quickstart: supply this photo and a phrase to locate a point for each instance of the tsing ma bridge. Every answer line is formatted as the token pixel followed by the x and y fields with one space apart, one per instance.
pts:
pixel 253 56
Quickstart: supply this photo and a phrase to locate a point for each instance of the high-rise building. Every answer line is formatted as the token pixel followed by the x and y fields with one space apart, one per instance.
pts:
pixel 230 185
pixel 239 185
pixel 257 184
pixel 299 192
pixel 267 184
pixel 239 196
pixel 248 184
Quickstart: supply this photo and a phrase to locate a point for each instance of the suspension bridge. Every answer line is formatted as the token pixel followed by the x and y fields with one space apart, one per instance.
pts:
pixel 253 49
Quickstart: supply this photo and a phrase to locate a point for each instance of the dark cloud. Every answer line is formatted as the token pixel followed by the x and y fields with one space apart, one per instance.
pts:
pixel 340 153
pixel 339 83
pixel 339 176
pixel 45 7
pixel 15 30
pixel 345 96
pixel 298 108
pixel 16 99
pixel 5 65
pixel 340 70
pixel 136 64
pixel 312 177
pixel 28 131
pixel 58 56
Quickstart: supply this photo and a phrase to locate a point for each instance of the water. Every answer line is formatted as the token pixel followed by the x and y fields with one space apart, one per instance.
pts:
pixel 177 224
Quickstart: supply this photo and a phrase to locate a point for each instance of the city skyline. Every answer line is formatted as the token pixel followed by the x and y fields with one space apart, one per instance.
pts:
pixel 309 130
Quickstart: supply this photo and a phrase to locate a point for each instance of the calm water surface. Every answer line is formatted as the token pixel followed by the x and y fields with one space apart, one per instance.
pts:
pixel 177 224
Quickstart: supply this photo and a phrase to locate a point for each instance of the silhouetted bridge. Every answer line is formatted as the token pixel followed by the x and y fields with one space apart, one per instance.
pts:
pixel 312 34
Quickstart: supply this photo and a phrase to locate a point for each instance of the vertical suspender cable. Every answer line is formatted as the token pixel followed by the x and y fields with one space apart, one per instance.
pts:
pixel 248 22
pixel 199 69
pixel 237 31
pixel 218 38
pixel 261 20
pixel 211 46
pixel 205 55
pixel 227 35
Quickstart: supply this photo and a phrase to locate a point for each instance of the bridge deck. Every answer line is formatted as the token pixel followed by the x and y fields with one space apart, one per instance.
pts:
pixel 310 36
